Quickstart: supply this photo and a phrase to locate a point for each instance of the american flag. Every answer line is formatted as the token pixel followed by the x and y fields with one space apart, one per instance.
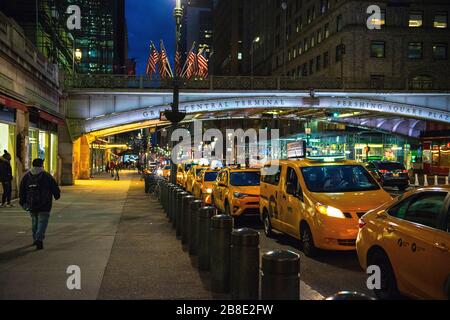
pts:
pixel 202 65
pixel 152 60
pixel 192 67
pixel 178 63
pixel 164 66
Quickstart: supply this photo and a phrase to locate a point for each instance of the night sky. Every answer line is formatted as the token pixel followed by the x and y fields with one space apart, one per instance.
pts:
pixel 149 20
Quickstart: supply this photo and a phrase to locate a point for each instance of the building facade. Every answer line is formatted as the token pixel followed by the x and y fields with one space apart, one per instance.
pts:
pixel 197 26
pixel 228 20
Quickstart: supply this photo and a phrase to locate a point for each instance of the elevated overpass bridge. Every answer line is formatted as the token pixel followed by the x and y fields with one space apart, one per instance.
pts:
pixel 105 105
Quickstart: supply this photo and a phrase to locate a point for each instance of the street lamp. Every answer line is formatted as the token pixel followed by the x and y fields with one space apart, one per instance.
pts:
pixel 256 40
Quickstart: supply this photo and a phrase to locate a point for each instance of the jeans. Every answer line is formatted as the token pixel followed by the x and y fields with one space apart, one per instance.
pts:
pixel 7 190
pixel 39 225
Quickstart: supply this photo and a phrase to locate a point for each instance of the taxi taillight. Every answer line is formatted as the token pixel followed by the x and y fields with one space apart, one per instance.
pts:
pixel 361 223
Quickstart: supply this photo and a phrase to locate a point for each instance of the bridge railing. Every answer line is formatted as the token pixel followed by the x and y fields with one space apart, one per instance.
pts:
pixel 252 83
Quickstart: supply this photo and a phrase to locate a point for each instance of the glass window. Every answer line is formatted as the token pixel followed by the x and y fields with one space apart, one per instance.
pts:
pixel 53 153
pixel 341 178
pixel 318 58
pixel 415 50
pixel 245 178
pixel 211 176
pixel 338 53
pixel 423 210
pixel 327 30
pixel 415 19
pixel 272 178
pixel 311 66
pixel 319 36
pixel 300 48
pixel 8 142
pixel 292 178
pixel 440 51
pixel 440 20
pixel 377 49
pixel 339 23
pixel 381 21
pixel 305 70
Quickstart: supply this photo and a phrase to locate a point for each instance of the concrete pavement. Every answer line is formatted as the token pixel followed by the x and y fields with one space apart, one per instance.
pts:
pixel 119 237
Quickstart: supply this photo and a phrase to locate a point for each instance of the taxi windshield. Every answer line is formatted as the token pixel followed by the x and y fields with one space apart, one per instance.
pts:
pixel 345 178
pixel 245 178
pixel 187 166
pixel 211 176
pixel 197 171
pixel 167 168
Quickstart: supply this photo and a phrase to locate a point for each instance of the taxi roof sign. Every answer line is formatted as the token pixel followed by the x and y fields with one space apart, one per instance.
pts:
pixel 327 158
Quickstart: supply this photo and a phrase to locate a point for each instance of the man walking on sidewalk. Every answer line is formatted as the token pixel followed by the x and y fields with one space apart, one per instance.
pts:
pixel 6 179
pixel 37 190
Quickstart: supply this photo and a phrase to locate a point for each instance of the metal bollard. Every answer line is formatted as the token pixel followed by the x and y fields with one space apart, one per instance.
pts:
pixel 174 204
pixel 204 225
pixel 171 192
pixel 179 217
pixel 193 226
pixel 280 278
pixel 244 264
pixel 348 295
pixel 165 196
pixel 178 193
pixel 185 219
pixel 220 253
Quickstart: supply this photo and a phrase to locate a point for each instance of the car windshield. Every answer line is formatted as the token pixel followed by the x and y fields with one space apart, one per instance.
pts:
pixel 197 171
pixel 245 178
pixel 167 168
pixel 211 176
pixel 187 166
pixel 390 166
pixel 345 178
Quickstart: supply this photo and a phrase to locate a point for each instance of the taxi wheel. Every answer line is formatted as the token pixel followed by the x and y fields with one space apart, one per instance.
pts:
pixel 267 225
pixel 307 241
pixel 388 282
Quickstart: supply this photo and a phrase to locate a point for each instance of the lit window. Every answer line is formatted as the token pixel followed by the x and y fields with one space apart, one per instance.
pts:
pixel 239 55
pixel 415 19
pixel 440 21
pixel 381 21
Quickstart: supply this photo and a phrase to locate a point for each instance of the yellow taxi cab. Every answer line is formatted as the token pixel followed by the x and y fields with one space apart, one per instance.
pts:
pixel 236 191
pixel 192 175
pixel 408 238
pixel 203 185
pixel 166 172
pixel 182 170
pixel 318 201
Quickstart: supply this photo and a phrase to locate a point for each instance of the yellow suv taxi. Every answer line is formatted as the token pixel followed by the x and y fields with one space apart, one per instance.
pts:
pixel 408 238
pixel 203 185
pixel 192 175
pixel 236 191
pixel 318 201
pixel 182 171
pixel 166 172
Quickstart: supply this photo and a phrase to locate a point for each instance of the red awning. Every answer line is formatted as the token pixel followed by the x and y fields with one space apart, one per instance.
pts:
pixel 12 103
pixel 49 117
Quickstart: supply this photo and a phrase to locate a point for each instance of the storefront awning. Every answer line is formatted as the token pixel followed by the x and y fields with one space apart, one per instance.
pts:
pixel 12 103
pixel 52 118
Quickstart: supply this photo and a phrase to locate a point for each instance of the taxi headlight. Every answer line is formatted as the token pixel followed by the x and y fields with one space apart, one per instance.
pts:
pixel 209 190
pixel 329 211
pixel 159 172
pixel 239 195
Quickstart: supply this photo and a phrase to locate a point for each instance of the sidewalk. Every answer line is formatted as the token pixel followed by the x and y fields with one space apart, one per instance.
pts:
pixel 112 231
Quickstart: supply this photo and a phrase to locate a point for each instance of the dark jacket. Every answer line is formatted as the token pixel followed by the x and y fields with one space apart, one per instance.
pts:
pixel 47 184
pixel 5 170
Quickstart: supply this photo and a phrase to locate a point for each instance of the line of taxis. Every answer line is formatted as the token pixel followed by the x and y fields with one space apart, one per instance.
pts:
pixel 337 204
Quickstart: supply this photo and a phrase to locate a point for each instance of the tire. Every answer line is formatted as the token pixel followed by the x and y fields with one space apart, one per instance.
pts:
pixel 388 282
pixel 267 225
pixel 307 241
